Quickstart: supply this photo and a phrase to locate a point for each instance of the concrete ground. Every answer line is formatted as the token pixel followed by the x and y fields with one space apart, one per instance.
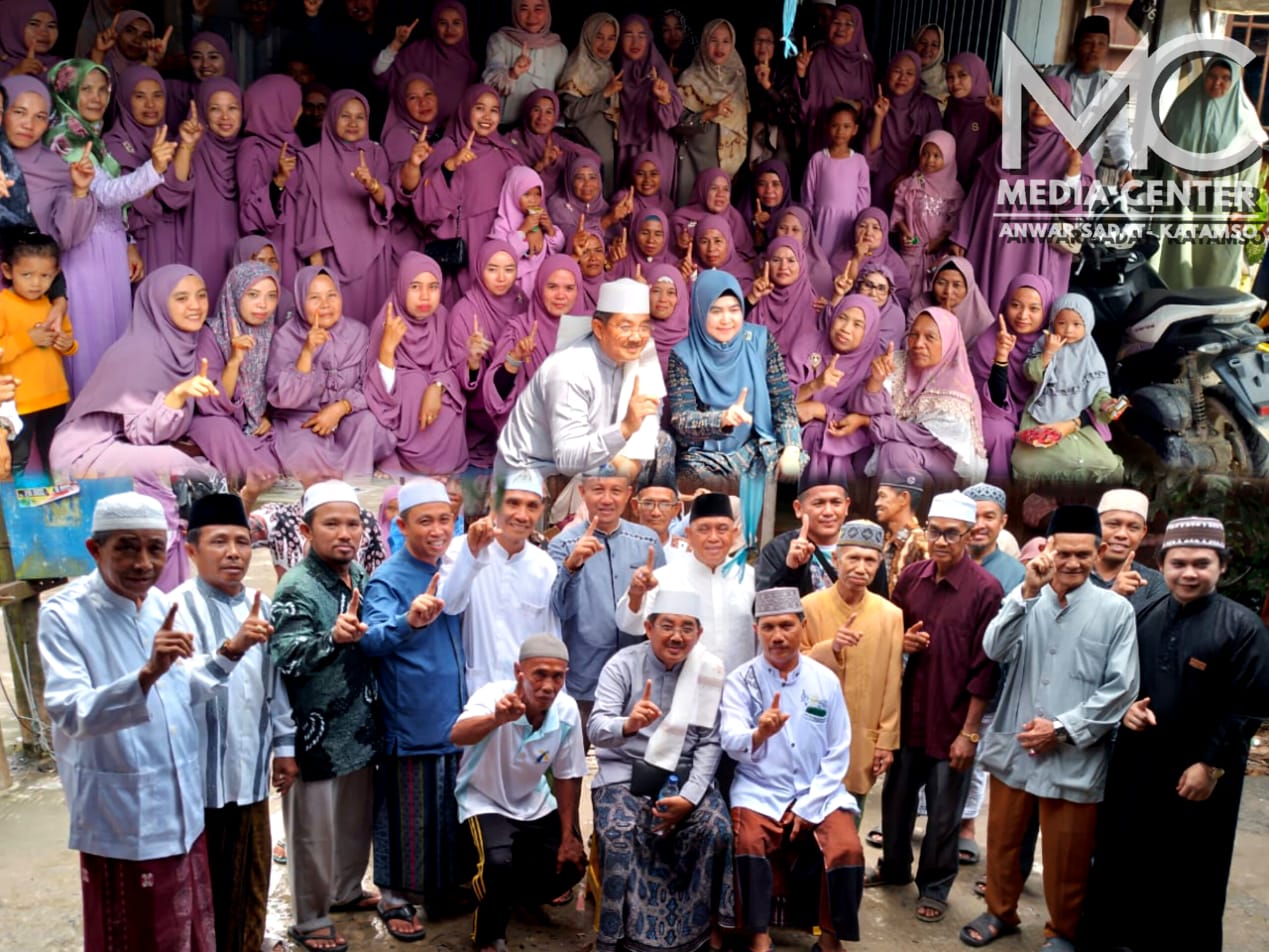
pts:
pixel 40 897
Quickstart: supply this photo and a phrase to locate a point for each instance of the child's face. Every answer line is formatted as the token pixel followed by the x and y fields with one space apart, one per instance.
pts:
pixel 31 275
pixel 841 129
pixel 1069 326
pixel 531 199
pixel 931 159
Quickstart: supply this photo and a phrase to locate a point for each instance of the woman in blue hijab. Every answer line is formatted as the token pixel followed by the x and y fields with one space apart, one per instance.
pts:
pixel 732 413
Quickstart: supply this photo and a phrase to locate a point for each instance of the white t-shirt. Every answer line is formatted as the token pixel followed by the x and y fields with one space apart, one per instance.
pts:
pixel 506 772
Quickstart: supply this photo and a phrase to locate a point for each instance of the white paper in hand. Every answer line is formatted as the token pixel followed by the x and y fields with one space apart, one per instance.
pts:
pixel 642 445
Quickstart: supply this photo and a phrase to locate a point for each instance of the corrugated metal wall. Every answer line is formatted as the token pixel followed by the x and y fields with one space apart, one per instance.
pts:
pixel 967 27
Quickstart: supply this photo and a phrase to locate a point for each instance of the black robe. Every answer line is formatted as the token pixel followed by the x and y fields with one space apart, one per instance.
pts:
pixel 1162 863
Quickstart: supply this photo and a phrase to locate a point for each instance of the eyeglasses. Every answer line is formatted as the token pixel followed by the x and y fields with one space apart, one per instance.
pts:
pixel 664 506
pixel 873 286
pixel 686 631
pixel 933 533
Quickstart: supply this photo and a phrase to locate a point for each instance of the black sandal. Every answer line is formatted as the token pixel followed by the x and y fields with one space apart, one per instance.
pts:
pixel 363 903
pixel 405 913
pixel 989 929
pixel 324 934
pixel 875 838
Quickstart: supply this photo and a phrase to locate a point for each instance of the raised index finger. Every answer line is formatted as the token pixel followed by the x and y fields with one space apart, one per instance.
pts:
pixel 255 606
pixel 167 35
pixel 202 367
pixel 647 690
pixel 652 558
pixel 744 394
pixel 431 586
pixel 590 529
pixel 471 138
pixel 806 527
pixel 775 701
pixel 170 620
pixel 361 156
pixel 354 603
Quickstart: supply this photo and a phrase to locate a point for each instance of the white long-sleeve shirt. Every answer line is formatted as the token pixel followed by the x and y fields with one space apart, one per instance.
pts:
pixel 128 760
pixel 726 608
pixel 503 599
pixel 802 766
pixel 252 720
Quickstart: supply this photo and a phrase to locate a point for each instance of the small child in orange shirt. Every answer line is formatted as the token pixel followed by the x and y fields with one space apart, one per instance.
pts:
pixel 33 341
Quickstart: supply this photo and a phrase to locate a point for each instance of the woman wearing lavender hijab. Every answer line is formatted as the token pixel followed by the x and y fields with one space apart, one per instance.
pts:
pixel 316 368
pixel 901 116
pixel 871 246
pixel 232 427
pixel 268 169
pixel 153 220
pixel 650 107
pixel 841 68
pixel 474 324
pixel 973 113
pixel 1047 157
pixel 782 298
pixel 209 223
pixel 141 399
pixel 345 205
pixel 99 268
pixel 58 200
pixel 589 90
pixel 539 144
pixel 412 387
pixel 444 56
pixel 209 57
pixel 26 27
pixel 461 181
pixel 997 362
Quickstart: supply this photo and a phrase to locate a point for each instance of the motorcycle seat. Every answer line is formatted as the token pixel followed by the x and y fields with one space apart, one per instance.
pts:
pixel 1199 300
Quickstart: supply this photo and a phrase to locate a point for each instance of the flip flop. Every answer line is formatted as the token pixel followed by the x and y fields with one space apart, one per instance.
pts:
pixel 980 887
pixel 966 851
pixel 989 929
pixel 324 934
pixel 875 838
pixel 939 907
pixel 405 913
pixel 279 852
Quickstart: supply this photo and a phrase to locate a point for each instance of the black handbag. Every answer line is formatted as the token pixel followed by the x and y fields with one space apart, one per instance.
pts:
pixel 646 780
pixel 449 253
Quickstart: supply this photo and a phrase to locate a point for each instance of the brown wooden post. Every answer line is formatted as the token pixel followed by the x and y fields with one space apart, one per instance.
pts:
pixel 22 612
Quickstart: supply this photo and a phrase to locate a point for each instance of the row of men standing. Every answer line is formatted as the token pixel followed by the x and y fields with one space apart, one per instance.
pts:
pixel 98 699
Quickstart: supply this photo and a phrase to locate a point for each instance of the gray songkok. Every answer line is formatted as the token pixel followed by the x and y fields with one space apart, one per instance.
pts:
pixel 128 510
pixel 777 601
pixel 905 482
pixel 543 646
pixel 863 533
pixel 986 492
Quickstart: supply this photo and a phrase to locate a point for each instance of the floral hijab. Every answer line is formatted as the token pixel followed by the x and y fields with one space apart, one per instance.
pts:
pixel 946 390
pixel 252 388
pixel 705 84
pixel 69 134
pixel 584 73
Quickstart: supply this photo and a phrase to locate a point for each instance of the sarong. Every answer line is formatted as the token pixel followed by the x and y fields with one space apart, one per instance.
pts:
pixel 238 847
pixel 661 893
pixel 416 836
pixel 153 905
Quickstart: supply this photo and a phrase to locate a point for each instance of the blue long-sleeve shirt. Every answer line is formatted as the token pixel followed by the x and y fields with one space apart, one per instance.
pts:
pixel 585 601
pixel 420 670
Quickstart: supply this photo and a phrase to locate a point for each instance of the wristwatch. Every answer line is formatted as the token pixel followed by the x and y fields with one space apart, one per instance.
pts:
pixel 228 652
pixel 971 737
pixel 1215 773
pixel 1061 733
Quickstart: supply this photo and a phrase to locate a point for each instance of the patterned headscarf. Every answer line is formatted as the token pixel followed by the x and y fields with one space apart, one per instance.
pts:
pixel 252 388
pixel 705 84
pixel 69 134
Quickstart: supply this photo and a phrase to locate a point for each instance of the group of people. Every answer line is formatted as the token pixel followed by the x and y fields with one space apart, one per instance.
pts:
pixel 438 713
pixel 812 239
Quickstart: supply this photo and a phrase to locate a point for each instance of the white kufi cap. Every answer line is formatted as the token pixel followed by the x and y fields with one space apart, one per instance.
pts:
pixel 129 510
pixel 329 490
pixel 419 491
pixel 623 296
pixel 954 505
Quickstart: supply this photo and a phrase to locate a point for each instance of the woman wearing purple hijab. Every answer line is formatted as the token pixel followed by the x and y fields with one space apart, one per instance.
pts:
pixel 650 189
pixel 409 133
pixel 345 206
pixel 58 196
pixel 411 385
pixel 649 107
pixel 582 199
pixel 714 247
pixel 540 148
pixel 899 120
pixel 25 26
pixel 841 68
pixel 475 323
pixel 711 195
pixel 132 44
pixel 268 166
pixel 876 281
pixel 153 220
pixel 969 116
pixel 232 427
pixel 141 399
pixel 825 369
pixel 530 337
pixel 1047 156
pixel 259 248
pixel 316 368
pixel 462 178
pixel 951 285
pixel 997 361
pixel 795 221
pixel 209 58
pixel 671 309
pixel 782 298
pixel 209 224
pixel 872 246
pixel 444 55
pixel 647 243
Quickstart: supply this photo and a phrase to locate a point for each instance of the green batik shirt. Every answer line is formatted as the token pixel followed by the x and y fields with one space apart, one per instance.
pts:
pixel 332 686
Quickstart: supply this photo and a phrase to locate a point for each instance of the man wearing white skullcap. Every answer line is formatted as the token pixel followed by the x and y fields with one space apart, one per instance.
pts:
pixel 499 583
pixel 585 402
pixel 947 601
pixel 418 657
pixel 317 627
pixel 126 737
pixel 1125 517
